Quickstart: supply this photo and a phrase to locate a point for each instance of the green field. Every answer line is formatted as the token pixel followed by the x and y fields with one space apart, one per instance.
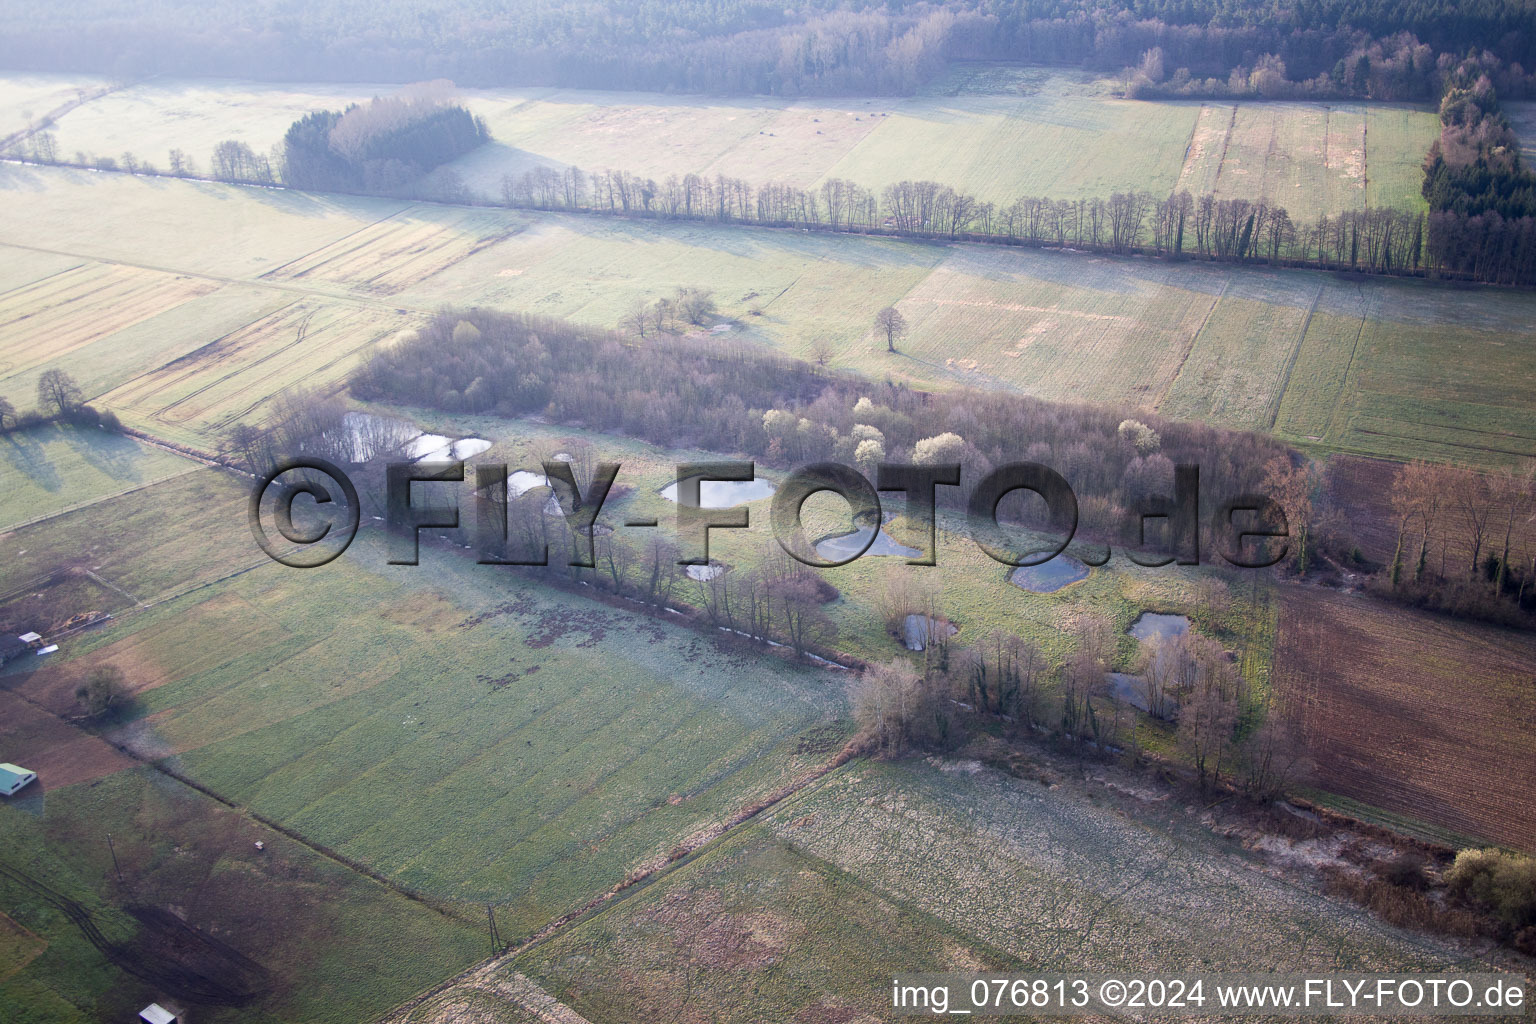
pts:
pixel 339 947
pixel 50 469
pixel 206 332
pixel 470 735
pixel 1016 131
pixel 936 865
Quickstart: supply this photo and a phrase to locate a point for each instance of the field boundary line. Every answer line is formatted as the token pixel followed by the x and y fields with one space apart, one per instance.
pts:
pixel 1295 354
pixel 639 878
pixel 1440 275
pixel 81 506
pixel 1226 141
pixel 1331 431
pixel 1189 349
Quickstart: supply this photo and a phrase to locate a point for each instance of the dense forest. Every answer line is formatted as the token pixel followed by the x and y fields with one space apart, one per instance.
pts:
pixel 1355 47
pixel 382 145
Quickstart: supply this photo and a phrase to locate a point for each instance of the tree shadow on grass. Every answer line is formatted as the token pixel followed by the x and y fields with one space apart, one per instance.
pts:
pixel 112 454
pixel 24 453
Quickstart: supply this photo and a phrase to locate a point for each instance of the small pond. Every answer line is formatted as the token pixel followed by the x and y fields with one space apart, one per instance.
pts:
pixel 436 448
pixel 1049 576
pixel 842 546
pixel 725 493
pixel 918 629
pixel 704 573
pixel 1156 624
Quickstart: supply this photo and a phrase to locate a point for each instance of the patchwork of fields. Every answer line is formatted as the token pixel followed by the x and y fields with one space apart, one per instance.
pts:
pixel 411 745
pixel 954 867
pixel 1031 132
pixel 470 736
pixel 202 334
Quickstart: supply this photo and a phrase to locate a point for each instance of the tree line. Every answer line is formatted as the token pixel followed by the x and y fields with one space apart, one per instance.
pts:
pixel 1466 541
pixel 1179 226
pixel 1495 243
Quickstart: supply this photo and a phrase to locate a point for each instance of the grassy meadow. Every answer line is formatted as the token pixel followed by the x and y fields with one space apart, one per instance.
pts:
pixel 339 946
pixel 956 867
pixel 472 736
pixel 997 132
pixel 184 340
pixel 51 469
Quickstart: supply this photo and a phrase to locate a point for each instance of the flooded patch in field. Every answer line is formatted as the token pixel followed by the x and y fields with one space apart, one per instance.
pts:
pixel 704 573
pixel 725 493
pixel 842 546
pixel 1049 576
pixel 919 630
pixel 1160 626
pixel 452 451
pixel 523 481
pixel 369 437
pixel 423 445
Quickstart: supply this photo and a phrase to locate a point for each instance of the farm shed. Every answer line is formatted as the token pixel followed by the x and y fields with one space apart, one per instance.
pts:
pixel 13 647
pixel 154 1013
pixel 13 777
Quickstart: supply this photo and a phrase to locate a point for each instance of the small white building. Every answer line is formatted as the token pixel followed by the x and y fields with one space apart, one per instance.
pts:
pixel 13 777
pixel 154 1013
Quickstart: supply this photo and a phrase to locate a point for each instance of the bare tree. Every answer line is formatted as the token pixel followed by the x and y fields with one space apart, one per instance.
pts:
pixel 697 305
pixel 1418 497
pixel 1471 495
pixel 104 689
pixel 250 447
pixel 1212 695
pixel 45 148
pixel 661 312
pixel 58 391
pixel 805 624
pixel 888 701
pixel 1514 495
pixel 1292 487
pixel 893 324
pixel 1206 721
pixel 1273 756
pixel 637 319
pixel 822 351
